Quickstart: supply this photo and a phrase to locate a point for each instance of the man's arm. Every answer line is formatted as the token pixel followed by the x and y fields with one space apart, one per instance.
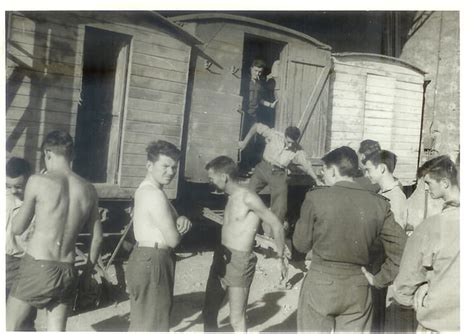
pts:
pixel 393 238
pixel 259 128
pixel 303 234
pixel 255 204
pixel 303 163
pixel 158 207
pixel 412 272
pixel 95 227
pixel 25 214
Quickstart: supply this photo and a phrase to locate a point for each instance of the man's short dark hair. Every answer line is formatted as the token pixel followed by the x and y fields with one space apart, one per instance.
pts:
pixel 17 167
pixel 439 168
pixel 60 142
pixel 345 159
pixel 224 164
pixel 385 157
pixel 293 132
pixel 369 146
pixel 162 147
pixel 258 63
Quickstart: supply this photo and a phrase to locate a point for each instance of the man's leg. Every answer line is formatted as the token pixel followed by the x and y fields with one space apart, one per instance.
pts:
pixel 279 194
pixel 238 304
pixel 57 318
pixel 215 294
pixel 18 312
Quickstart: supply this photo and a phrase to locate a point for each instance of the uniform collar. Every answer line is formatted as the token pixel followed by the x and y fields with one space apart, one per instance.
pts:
pixel 350 185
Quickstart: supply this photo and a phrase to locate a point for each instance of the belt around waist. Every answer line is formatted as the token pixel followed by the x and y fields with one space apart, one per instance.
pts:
pixel 151 244
pixel 274 167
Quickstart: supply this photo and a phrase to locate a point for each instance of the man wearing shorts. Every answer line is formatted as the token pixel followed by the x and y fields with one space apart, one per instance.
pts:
pixel 62 203
pixel 233 265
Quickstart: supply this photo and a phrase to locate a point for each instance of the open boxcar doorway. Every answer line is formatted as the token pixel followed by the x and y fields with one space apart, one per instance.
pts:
pixel 272 53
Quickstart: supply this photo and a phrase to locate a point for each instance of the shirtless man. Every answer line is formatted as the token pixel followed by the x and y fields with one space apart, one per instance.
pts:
pixel 234 263
pixel 157 229
pixel 62 203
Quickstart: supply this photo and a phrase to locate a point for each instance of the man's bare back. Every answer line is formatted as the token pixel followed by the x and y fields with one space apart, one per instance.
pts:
pixel 240 222
pixel 64 202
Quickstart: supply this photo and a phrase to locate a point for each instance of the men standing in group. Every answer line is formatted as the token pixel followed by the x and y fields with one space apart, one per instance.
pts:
pixel 233 265
pixel 62 203
pixel 379 167
pixel 157 229
pixel 18 171
pixel 339 224
pixel 281 149
pixel 428 279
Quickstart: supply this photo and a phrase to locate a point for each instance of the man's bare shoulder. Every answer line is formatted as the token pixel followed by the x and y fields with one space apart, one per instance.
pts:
pixel 150 194
pixel 250 197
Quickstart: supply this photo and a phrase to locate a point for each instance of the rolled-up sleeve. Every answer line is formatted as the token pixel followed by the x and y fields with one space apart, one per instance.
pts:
pixel 412 272
pixel 393 239
pixel 303 234
pixel 263 130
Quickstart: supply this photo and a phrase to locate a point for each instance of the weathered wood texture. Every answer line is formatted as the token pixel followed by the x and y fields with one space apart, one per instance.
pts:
pixel 216 96
pixel 380 101
pixel 44 78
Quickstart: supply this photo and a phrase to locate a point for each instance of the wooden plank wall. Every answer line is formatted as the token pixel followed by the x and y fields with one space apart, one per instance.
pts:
pixel 379 101
pixel 44 70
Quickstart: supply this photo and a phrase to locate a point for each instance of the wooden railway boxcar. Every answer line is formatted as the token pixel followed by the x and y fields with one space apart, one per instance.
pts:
pixel 113 80
pixel 380 98
pixel 117 80
pixel 299 67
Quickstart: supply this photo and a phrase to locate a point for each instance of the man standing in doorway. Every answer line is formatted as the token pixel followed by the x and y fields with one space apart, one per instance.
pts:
pixel 339 224
pixel 281 149
pixel 62 203
pixel 157 229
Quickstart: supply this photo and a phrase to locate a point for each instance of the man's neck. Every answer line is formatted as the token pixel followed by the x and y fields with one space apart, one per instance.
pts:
pixel 231 187
pixel 452 195
pixel 387 183
pixel 59 165
pixel 344 178
pixel 150 178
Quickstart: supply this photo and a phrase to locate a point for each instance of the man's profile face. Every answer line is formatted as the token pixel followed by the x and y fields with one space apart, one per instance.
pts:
pixel 374 173
pixel 216 179
pixel 163 170
pixel 16 186
pixel 256 72
pixel 328 175
pixel 436 188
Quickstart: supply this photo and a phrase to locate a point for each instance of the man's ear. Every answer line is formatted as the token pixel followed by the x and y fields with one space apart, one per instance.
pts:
pixel 445 183
pixel 149 165
pixel 47 154
pixel 383 168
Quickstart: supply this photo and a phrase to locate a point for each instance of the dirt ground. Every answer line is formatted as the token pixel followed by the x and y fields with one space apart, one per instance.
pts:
pixel 271 308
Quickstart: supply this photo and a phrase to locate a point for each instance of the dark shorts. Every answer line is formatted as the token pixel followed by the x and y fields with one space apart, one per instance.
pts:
pixel 12 268
pixel 45 284
pixel 233 268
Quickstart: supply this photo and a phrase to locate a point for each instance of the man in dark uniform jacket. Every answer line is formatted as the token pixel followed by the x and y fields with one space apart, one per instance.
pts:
pixel 339 224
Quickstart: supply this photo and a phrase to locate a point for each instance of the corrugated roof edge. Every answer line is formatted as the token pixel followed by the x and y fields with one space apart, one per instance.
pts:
pixel 221 16
pixel 356 55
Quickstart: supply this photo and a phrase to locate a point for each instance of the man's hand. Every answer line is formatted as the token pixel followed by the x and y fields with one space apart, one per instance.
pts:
pixel 183 225
pixel 273 104
pixel 283 268
pixel 369 276
pixel 420 295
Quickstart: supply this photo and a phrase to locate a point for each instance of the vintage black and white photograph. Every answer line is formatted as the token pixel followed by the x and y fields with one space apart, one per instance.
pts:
pixel 220 171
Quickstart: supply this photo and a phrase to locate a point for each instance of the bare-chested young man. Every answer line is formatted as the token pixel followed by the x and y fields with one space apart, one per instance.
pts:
pixel 157 229
pixel 234 262
pixel 62 203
